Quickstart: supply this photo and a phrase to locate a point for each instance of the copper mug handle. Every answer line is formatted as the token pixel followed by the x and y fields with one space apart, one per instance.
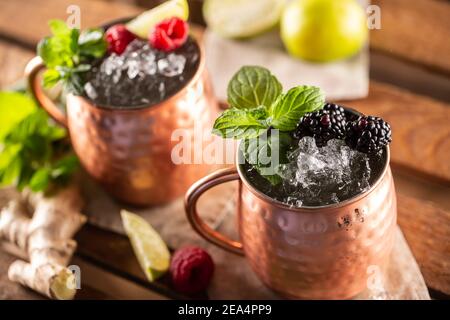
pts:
pixel 190 203
pixel 32 70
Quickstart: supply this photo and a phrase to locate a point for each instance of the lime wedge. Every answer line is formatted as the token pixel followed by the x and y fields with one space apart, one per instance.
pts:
pixel 150 249
pixel 242 18
pixel 144 23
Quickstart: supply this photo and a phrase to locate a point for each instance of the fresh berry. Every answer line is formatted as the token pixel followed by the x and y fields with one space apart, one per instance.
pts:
pixel 169 34
pixel 324 125
pixel 191 270
pixel 118 37
pixel 368 134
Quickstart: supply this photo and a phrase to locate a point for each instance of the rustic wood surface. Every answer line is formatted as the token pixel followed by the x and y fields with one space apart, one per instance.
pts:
pixel 11 72
pixel 420 126
pixel 28 24
pixel 405 25
pixel 418 31
pixel 431 246
pixel 420 152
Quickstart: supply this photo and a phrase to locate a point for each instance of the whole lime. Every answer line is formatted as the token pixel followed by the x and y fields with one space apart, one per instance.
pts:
pixel 323 30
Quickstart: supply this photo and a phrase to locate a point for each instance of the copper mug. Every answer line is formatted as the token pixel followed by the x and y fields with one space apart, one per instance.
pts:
pixel 128 150
pixel 310 252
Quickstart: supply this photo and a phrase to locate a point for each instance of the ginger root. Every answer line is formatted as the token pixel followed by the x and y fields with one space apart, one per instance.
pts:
pixel 46 237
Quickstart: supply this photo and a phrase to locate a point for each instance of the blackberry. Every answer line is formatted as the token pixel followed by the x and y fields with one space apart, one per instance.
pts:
pixel 368 134
pixel 324 125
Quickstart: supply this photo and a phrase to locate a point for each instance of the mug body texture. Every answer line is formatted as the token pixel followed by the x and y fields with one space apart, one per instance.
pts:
pixel 130 152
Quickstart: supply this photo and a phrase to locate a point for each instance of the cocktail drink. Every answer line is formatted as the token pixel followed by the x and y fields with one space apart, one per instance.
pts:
pixel 316 202
pixel 141 75
pixel 129 87
pixel 319 173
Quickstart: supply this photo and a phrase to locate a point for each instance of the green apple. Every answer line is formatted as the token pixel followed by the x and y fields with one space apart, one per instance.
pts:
pixel 323 30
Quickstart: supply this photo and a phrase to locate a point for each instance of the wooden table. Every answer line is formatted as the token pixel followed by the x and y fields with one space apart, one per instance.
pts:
pixel 410 87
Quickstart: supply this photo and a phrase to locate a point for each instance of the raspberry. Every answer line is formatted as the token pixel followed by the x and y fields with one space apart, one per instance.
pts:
pixel 324 125
pixel 118 37
pixel 368 134
pixel 191 270
pixel 169 34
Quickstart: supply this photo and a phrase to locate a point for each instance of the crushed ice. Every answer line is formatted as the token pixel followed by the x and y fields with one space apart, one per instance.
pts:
pixel 325 175
pixel 138 69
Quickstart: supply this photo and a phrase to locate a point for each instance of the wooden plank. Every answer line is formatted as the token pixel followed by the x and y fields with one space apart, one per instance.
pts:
pixel 115 287
pixel 13 60
pixel 26 21
pixel 427 229
pixel 408 76
pixel 417 31
pixel 113 252
pixel 420 126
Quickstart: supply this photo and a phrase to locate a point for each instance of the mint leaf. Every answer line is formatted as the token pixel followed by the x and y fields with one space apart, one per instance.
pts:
pixel 92 43
pixel 64 38
pixel 252 87
pixel 51 77
pixel 40 179
pixel 14 107
pixel 64 167
pixel 81 68
pixel 59 28
pixel 10 164
pixel 290 107
pixel 241 123
pixel 265 153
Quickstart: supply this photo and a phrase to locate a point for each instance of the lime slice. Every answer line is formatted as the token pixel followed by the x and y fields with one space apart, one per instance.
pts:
pixel 143 23
pixel 242 18
pixel 150 249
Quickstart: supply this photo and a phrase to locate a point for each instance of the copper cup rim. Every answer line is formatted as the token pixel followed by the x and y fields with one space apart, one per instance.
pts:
pixel 311 209
pixel 174 97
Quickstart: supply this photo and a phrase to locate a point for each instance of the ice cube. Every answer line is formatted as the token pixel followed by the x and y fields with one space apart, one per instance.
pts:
pixel 171 66
pixel 148 66
pixel 133 67
pixel 162 89
pixel 90 91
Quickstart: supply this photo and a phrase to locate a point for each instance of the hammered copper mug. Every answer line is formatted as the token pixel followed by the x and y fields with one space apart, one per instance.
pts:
pixel 128 150
pixel 308 252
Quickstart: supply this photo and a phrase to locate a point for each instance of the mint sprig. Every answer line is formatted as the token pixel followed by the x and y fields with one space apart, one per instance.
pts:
pixel 257 105
pixel 35 152
pixel 68 55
